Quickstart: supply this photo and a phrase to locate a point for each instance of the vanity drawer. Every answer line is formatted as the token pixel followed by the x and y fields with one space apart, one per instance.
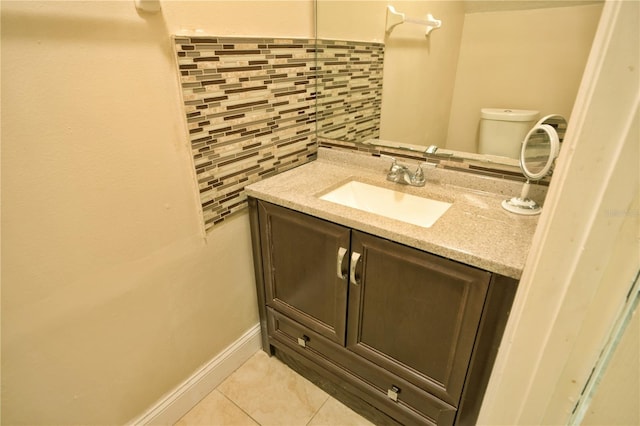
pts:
pixel 408 403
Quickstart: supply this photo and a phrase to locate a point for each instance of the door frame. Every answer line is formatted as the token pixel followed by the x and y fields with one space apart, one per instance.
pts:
pixel 585 250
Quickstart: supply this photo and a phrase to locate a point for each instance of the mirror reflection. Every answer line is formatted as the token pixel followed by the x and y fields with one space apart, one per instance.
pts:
pixel 536 152
pixel 541 146
pixel 506 55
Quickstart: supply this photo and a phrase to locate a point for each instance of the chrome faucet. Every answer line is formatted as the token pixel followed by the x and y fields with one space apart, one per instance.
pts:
pixel 431 149
pixel 400 173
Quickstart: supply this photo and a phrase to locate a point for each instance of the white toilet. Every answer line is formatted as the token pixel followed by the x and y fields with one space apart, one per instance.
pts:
pixel 503 130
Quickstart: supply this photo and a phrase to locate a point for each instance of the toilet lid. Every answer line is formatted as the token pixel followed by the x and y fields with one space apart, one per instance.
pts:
pixel 505 114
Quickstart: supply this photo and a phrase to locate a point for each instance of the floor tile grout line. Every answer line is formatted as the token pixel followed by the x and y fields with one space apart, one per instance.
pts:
pixel 248 417
pixel 315 385
pixel 239 407
pixel 318 410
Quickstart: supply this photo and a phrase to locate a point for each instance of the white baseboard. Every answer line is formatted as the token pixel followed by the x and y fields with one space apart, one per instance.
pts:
pixel 170 408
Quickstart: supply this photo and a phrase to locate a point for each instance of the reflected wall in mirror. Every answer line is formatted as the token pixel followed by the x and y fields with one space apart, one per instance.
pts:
pixel 487 54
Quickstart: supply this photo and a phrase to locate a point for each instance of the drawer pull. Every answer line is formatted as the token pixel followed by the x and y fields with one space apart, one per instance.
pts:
pixel 355 257
pixel 302 341
pixel 341 274
pixel 393 393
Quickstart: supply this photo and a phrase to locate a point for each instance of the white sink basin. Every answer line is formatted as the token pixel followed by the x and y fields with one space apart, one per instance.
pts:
pixel 389 203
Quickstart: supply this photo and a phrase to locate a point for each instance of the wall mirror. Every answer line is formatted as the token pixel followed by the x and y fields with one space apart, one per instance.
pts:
pixel 517 54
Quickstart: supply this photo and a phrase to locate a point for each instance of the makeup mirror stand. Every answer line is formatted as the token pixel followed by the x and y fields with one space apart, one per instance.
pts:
pixel 522 204
pixel 541 135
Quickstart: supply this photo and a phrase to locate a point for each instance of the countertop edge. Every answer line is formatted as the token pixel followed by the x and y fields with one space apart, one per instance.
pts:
pixel 468 259
pixel 275 189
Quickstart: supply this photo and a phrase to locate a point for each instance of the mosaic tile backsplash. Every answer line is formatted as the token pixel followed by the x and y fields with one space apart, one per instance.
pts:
pixel 349 89
pixel 250 105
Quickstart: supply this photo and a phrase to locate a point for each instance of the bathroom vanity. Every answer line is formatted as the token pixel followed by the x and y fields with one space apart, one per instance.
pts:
pixel 400 322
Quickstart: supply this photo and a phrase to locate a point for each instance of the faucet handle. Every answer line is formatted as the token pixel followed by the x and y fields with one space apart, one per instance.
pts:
pixel 418 176
pixel 394 165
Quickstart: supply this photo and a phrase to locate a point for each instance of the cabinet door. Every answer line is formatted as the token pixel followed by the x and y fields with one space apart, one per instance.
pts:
pixel 305 269
pixel 414 314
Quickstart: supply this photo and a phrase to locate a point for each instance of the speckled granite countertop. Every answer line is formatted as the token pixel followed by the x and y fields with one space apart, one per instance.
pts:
pixel 475 230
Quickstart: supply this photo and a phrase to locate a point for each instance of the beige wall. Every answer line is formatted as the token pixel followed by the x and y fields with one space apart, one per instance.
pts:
pixel 354 20
pixel 525 59
pixel 419 72
pixel 111 293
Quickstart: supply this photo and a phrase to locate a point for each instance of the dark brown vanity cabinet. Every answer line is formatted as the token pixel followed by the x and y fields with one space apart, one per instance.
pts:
pixel 300 280
pixel 400 335
pixel 415 314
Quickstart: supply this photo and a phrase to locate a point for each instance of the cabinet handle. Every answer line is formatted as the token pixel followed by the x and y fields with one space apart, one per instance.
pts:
pixel 341 252
pixel 302 341
pixel 355 257
pixel 393 393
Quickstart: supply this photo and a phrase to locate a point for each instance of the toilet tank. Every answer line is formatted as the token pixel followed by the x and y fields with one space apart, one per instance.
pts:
pixel 503 130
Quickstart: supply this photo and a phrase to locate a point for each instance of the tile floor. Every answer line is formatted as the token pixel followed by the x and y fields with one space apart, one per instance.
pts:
pixel 264 391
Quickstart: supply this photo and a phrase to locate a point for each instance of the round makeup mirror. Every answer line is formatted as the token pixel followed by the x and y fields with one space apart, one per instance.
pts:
pixel 537 155
pixel 539 150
